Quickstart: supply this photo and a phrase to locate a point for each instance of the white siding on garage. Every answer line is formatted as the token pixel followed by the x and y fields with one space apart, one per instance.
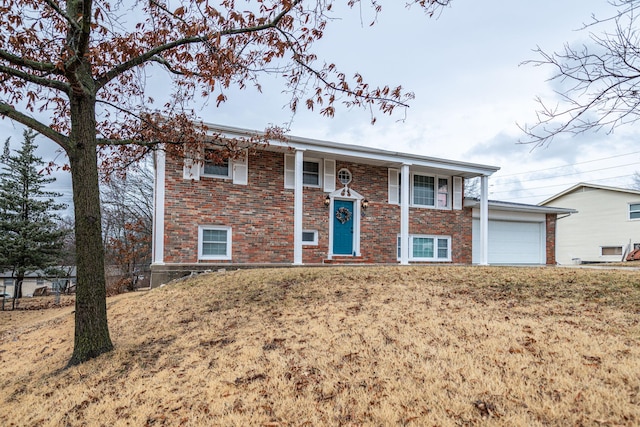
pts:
pixel 513 239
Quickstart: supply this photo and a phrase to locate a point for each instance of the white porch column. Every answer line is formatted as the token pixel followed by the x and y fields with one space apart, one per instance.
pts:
pixel 157 248
pixel 297 209
pixel 484 220
pixel 404 214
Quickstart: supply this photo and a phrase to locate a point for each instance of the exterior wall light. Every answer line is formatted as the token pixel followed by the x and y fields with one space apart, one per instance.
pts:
pixel 364 204
pixel 327 201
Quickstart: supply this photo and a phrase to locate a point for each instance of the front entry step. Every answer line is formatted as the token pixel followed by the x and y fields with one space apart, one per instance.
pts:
pixel 344 259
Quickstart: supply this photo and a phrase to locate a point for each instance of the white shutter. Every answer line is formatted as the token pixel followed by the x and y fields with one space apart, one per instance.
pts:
pixel 394 186
pixel 329 176
pixel 191 169
pixel 457 192
pixel 289 170
pixel 241 169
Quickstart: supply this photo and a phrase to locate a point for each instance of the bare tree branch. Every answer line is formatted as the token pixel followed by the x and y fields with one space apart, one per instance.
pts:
pixel 10 112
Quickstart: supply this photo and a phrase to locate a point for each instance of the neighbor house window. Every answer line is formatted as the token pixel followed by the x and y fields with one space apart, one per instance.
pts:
pixel 216 168
pixel 214 243
pixel 611 250
pixel 310 237
pixel 428 248
pixel 634 211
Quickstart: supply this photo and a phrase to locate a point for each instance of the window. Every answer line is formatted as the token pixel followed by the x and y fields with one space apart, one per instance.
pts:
pixel 344 176
pixel 310 237
pixel 217 168
pixel 443 193
pixel 611 250
pixel 428 248
pixel 214 243
pixel 431 191
pixel 423 191
pixel 311 173
pixel 634 211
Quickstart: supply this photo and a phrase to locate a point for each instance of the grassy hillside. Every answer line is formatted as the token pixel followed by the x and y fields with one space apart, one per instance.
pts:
pixel 341 346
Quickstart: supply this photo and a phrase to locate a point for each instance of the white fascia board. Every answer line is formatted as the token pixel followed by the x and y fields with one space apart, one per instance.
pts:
pixel 517 207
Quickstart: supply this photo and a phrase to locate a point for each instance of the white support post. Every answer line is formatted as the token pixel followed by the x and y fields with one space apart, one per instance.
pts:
pixel 297 209
pixel 404 215
pixel 484 220
pixel 157 249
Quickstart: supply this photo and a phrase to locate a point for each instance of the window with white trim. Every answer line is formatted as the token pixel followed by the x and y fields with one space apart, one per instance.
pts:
pixel 310 237
pixel 427 248
pixel 430 191
pixel 214 167
pixel 611 250
pixel 214 243
pixel 634 210
pixel 443 193
pixel 311 173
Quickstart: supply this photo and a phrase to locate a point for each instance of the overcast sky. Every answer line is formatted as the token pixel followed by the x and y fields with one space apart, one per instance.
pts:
pixel 471 91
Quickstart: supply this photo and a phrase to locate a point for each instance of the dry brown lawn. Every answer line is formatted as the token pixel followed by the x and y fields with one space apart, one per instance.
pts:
pixel 370 346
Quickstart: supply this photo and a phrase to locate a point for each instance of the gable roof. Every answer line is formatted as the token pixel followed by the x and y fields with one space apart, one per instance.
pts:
pixel 360 153
pixel 582 185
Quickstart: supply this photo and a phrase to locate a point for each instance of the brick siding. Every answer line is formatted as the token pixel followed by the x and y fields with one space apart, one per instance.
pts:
pixel 261 215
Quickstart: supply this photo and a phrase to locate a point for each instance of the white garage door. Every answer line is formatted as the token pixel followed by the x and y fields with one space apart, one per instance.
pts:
pixel 512 242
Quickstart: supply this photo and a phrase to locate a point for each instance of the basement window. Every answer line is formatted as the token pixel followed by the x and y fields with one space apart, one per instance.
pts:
pixel 611 250
pixel 310 237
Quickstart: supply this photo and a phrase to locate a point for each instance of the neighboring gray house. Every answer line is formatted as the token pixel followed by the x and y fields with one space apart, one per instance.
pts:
pixel 605 228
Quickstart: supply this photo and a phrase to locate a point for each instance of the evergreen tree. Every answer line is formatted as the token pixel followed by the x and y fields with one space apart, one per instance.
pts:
pixel 30 238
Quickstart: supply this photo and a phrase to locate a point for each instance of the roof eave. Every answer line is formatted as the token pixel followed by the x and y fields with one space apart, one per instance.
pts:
pixel 468 170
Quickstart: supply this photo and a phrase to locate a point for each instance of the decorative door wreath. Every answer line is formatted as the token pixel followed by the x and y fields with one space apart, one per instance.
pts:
pixel 343 215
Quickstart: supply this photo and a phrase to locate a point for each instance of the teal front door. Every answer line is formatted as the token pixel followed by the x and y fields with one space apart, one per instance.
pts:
pixel 343 226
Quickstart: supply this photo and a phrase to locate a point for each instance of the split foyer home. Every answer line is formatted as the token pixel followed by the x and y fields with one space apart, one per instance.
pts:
pixel 605 227
pixel 305 201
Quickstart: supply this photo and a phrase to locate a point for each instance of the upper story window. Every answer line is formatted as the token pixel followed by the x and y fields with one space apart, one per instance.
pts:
pixel 426 190
pixel 430 191
pixel 634 211
pixel 216 168
pixel 311 173
pixel 443 192
pixel 344 176
pixel 423 190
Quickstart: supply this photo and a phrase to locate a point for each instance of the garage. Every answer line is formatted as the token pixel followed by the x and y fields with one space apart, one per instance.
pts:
pixel 517 232
pixel 512 242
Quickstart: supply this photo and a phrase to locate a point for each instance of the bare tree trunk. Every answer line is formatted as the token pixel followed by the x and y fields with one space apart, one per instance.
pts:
pixel 91 329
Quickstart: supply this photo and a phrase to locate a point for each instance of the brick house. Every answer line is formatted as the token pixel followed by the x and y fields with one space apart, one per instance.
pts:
pixel 307 201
